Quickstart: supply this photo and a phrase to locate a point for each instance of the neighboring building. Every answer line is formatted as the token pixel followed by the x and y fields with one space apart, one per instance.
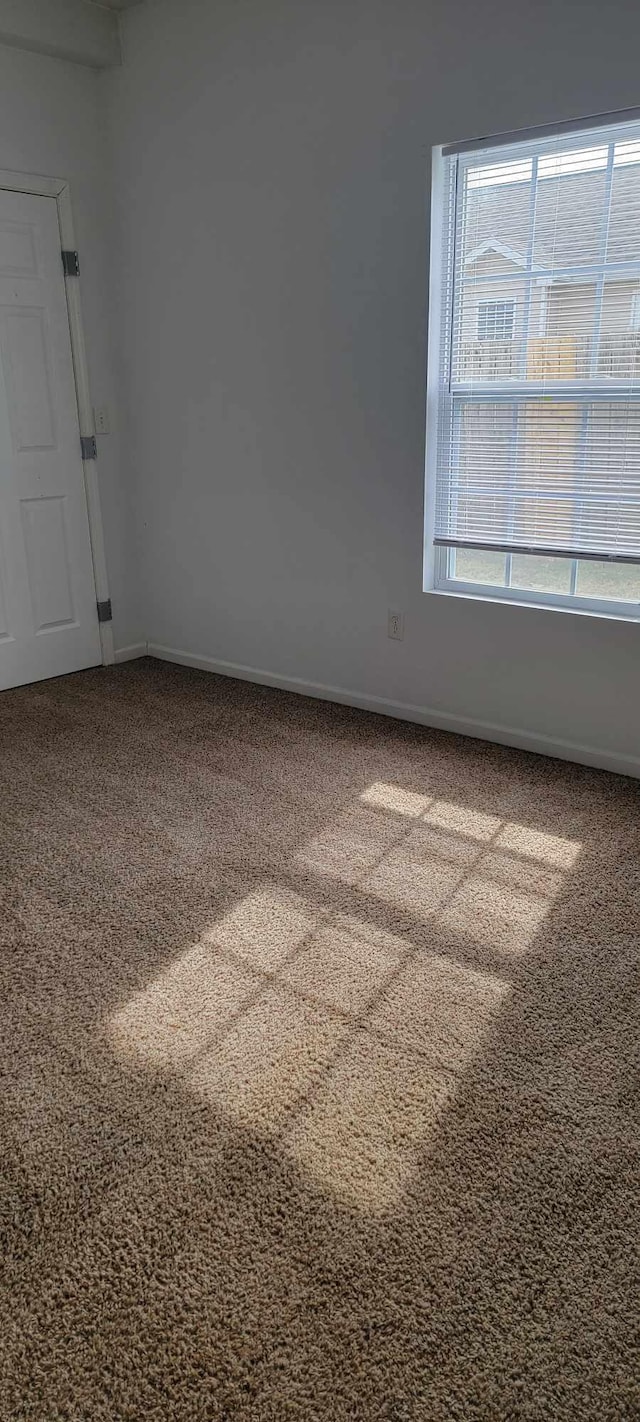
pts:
pixel 549 325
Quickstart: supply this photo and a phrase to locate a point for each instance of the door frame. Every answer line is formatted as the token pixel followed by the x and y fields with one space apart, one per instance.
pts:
pixel 58 188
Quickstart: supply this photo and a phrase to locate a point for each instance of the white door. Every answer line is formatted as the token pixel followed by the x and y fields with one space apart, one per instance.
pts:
pixel 48 613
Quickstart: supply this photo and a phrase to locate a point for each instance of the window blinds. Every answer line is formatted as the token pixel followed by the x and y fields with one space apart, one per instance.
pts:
pixel 538 446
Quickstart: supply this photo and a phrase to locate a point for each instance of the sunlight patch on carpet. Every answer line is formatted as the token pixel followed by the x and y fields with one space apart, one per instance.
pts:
pixel 271 1058
pixel 396 798
pixel 265 927
pixel 377 1110
pixel 548 848
pixel 462 820
pixel 325 1030
pixel 333 1035
pixel 170 1021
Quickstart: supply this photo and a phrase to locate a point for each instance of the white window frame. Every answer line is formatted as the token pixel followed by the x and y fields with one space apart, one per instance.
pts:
pixel 437 578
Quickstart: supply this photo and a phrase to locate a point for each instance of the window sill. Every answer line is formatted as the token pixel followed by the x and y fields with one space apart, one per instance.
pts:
pixel 520 598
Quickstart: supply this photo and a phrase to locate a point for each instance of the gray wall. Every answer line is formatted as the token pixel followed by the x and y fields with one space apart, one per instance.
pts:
pixel 271 171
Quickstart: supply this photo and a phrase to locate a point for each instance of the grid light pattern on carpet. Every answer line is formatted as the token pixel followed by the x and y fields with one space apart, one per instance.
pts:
pixel 319 1056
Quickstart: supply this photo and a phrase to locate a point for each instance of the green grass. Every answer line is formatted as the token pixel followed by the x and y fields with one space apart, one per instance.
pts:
pixel 619 581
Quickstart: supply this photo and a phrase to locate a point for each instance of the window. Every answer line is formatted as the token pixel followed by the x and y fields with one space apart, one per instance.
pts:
pixel 495 320
pixel 534 484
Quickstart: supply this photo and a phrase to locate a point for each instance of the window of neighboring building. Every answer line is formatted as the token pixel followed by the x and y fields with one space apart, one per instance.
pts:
pixel 496 320
pixel 534 456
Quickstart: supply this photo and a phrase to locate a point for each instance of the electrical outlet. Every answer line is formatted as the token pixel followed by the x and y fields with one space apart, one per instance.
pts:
pixel 395 625
pixel 101 420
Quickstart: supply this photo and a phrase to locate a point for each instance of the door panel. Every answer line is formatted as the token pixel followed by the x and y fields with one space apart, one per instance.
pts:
pixel 26 365
pixel 17 249
pixel 48 616
pixel 47 549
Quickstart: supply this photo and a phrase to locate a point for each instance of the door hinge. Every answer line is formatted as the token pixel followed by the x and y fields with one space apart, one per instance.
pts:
pixel 104 611
pixel 71 263
pixel 89 447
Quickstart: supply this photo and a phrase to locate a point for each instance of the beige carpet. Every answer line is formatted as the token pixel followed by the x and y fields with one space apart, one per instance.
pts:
pixel 319 1054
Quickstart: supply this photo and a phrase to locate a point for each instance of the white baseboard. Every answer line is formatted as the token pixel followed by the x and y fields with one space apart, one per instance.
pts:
pixel 423 716
pixel 129 654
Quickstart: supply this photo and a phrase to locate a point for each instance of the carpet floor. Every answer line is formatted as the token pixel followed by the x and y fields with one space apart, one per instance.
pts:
pixel 319 1062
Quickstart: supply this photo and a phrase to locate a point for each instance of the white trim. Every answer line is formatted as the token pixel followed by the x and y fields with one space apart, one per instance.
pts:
pixel 543 131
pixel 87 425
pixel 435 299
pixel 39 186
pixel 422 715
pixel 130 654
pixel 34 183
pixel 501 250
